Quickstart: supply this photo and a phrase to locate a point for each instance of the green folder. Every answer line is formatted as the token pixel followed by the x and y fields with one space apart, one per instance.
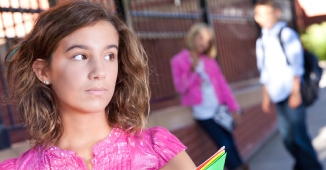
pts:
pixel 215 162
pixel 218 163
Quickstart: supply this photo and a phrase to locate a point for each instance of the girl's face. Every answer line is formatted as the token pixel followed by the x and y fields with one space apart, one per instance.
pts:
pixel 203 41
pixel 84 69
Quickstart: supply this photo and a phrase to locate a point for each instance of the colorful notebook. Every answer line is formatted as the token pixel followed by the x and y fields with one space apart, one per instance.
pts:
pixel 215 162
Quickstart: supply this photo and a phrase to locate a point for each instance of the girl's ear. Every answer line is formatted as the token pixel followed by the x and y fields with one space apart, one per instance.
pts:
pixel 41 71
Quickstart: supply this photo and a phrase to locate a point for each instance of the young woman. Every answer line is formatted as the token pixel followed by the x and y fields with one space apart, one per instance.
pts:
pixel 199 80
pixel 80 79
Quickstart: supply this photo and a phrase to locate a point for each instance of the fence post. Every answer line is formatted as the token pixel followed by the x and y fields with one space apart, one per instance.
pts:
pixel 4 135
pixel 123 9
pixel 52 3
pixel 206 15
pixel 257 26
pixel 294 16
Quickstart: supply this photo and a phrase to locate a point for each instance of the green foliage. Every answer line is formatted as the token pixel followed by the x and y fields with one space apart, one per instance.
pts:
pixel 314 40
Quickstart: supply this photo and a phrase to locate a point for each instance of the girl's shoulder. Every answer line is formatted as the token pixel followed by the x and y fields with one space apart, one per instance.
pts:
pixel 182 55
pixel 9 164
pixel 162 142
pixel 158 137
pixel 24 161
pixel 206 58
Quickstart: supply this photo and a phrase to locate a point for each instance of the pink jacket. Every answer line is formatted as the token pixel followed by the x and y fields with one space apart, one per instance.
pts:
pixel 188 83
pixel 149 150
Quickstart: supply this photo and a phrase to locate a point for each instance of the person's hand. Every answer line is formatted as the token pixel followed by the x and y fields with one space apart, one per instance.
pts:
pixel 195 60
pixel 236 117
pixel 295 97
pixel 194 64
pixel 295 100
pixel 266 105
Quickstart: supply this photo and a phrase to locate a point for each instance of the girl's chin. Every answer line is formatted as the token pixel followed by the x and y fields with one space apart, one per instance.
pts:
pixel 93 112
pixel 93 109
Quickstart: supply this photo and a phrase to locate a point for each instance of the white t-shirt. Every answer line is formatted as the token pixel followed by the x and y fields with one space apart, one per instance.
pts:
pixel 207 108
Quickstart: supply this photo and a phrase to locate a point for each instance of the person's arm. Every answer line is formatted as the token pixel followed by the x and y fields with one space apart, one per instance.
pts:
pixel 225 91
pixel 182 79
pixel 170 151
pixel 294 53
pixel 266 102
pixel 259 55
pixel 295 97
pixel 261 62
pixel 293 50
pixel 9 164
pixel 181 161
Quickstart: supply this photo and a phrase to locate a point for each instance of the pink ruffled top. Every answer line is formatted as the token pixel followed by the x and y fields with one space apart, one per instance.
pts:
pixel 149 150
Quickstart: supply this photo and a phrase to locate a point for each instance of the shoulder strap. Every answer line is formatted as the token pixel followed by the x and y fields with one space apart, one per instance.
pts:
pixel 282 45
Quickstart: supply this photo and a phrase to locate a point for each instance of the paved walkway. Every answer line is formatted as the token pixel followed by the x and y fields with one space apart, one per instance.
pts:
pixel 273 156
pixel 15 150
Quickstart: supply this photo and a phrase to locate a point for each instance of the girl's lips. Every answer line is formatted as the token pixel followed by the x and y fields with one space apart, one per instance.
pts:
pixel 97 91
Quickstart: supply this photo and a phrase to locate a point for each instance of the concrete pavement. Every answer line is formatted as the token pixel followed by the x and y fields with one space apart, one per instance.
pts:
pixel 15 150
pixel 273 156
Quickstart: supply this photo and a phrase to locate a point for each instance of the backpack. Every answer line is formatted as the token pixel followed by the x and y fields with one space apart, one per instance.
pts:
pixel 311 77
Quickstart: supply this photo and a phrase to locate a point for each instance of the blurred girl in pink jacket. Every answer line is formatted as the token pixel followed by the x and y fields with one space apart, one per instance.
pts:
pixel 202 86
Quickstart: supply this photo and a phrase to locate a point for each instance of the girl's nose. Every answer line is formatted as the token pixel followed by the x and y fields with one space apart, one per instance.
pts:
pixel 97 69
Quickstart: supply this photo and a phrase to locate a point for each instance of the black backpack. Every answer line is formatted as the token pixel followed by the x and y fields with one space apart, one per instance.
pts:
pixel 311 77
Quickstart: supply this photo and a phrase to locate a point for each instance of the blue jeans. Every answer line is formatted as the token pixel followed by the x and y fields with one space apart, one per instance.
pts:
pixel 221 138
pixel 292 126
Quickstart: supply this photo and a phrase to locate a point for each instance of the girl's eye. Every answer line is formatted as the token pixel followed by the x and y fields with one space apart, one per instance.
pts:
pixel 109 57
pixel 80 57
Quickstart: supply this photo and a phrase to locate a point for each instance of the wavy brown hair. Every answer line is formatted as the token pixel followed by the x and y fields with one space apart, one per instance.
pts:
pixel 128 108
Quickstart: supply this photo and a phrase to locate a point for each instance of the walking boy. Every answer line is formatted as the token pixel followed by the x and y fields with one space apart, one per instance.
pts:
pixel 281 70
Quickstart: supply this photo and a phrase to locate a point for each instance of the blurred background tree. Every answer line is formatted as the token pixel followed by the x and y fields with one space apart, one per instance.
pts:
pixel 314 40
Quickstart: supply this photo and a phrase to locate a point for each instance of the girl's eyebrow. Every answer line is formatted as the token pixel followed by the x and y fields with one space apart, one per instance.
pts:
pixel 85 47
pixel 76 46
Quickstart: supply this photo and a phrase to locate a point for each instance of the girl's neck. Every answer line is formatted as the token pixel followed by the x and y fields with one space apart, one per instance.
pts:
pixel 82 131
pixel 194 54
pixel 79 129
